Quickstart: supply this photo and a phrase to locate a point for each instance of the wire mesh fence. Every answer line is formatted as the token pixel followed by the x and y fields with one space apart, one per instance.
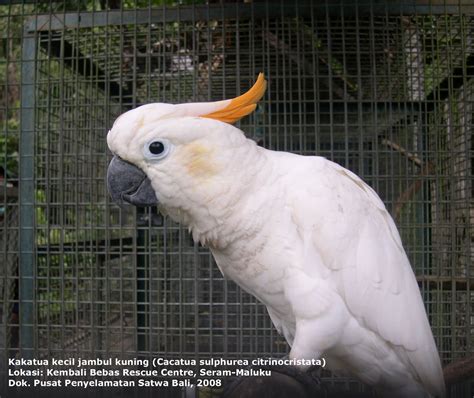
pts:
pixel 383 89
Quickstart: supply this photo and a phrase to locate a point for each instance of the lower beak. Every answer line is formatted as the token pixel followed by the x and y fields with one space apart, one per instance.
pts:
pixel 128 183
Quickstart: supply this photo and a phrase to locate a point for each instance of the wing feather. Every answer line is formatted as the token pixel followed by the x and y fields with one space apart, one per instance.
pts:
pixel 360 244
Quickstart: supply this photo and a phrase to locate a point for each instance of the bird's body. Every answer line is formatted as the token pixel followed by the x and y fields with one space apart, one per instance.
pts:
pixel 305 236
pixel 333 213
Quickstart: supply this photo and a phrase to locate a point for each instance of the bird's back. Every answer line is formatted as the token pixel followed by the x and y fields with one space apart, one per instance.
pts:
pixel 361 248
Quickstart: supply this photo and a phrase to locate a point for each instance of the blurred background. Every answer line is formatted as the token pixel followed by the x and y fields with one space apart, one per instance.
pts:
pixel 384 88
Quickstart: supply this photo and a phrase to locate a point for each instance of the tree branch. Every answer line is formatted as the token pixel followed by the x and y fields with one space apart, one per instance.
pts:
pixel 460 370
pixel 411 190
pixel 411 156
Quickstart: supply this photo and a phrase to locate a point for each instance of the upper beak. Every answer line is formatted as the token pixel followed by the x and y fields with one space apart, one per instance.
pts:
pixel 127 183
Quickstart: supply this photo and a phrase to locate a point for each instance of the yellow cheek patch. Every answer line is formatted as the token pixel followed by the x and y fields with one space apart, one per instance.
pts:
pixel 198 160
pixel 243 105
pixel 141 122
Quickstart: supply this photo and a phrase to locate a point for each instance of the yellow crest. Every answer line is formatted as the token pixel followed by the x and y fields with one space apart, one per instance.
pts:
pixel 241 106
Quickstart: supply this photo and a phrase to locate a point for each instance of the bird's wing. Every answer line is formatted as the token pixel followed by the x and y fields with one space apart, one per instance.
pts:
pixel 360 244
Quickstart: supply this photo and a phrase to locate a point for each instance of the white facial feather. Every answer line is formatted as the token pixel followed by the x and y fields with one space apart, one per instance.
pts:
pixel 203 172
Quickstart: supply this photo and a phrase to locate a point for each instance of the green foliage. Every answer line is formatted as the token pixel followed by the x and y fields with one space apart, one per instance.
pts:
pixel 100 5
pixel 445 37
pixel 9 146
pixel 11 25
pixel 57 293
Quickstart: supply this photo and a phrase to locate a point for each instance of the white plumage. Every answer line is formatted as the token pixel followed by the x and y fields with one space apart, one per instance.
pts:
pixel 307 237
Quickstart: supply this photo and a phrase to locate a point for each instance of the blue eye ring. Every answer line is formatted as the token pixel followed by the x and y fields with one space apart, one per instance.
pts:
pixel 156 149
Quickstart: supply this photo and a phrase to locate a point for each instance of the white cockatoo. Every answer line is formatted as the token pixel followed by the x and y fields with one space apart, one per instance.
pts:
pixel 304 235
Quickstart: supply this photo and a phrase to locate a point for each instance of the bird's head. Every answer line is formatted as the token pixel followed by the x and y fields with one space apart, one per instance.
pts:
pixel 169 155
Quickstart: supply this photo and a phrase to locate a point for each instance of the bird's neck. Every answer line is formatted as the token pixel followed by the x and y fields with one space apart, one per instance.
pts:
pixel 216 221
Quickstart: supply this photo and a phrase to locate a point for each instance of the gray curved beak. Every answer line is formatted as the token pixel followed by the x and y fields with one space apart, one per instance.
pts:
pixel 127 183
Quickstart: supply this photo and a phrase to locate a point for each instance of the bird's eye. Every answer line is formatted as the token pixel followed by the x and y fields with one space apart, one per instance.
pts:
pixel 156 149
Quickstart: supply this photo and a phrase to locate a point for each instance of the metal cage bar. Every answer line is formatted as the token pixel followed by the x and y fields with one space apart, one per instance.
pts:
pixel 384 89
